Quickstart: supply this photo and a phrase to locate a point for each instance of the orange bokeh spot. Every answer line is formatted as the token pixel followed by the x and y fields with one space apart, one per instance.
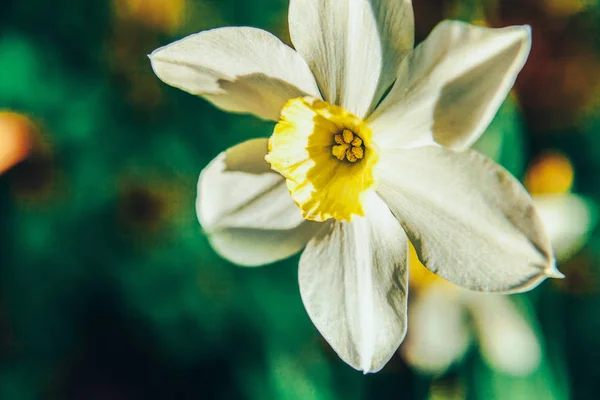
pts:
pixel 16 139
pixel 550 173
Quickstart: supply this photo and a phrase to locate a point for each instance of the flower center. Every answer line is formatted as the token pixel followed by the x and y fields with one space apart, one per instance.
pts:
pixel 348 146
pixel 326 155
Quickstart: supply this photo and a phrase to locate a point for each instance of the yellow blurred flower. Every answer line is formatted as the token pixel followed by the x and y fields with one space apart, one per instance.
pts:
pixel 565 8
pixel 551 173
pixel 162 15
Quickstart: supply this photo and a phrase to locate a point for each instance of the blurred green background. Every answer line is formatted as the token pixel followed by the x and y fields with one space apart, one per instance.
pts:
pixel 108 288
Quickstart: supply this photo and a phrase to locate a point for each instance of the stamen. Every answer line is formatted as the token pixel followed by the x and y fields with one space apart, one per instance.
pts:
pixel 358 152
pixel 340 151
pixel 349 156
pixel 349 146
pixel 348 136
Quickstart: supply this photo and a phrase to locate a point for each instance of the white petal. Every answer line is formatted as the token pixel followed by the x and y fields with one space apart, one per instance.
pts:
pixel 244 70
pixel 353 281
pixel 353 47
pixel 255 247
pixel 246 209
pixel 568 219
pixel 452 85
pixel 507 342
pixel 438 333
pixel 470 221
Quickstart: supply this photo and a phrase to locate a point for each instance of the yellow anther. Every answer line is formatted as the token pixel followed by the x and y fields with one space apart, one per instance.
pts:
pixel 340 151
pixel 348 136
pixel 349 156
pixel 358 152
pixel 349 146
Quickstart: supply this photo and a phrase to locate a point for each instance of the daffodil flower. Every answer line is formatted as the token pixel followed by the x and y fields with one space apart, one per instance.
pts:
pixel 369 151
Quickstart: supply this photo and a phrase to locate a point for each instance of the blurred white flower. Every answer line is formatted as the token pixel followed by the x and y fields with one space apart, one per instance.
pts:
pixel 568 219
pixel 445 320
pixel 370 149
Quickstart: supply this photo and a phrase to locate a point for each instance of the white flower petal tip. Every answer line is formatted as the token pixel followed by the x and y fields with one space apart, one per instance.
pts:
pixel 470 221
pixel 258 225
pixel 239 69
pixel 554 273
pixel 354 285
pixel 551 272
